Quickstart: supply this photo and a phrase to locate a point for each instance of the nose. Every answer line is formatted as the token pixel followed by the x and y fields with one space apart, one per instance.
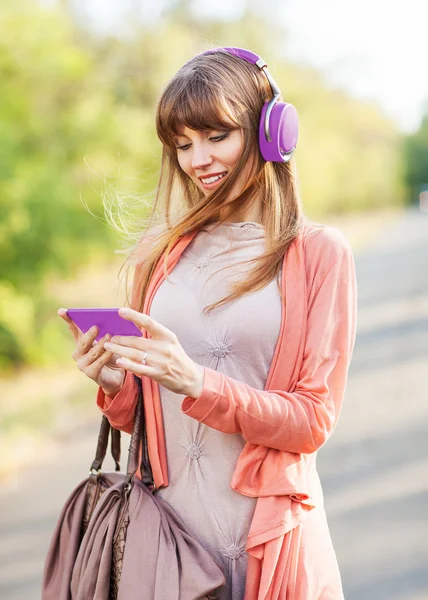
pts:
pixel 201 156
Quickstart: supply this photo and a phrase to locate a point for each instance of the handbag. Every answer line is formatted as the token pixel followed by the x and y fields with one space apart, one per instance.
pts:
pixel 75 516
pixel 116 540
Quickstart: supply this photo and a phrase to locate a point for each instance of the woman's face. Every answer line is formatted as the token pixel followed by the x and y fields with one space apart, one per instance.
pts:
pixel 207 157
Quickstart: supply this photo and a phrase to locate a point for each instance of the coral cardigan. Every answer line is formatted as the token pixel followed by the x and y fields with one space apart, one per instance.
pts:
pixel 286 423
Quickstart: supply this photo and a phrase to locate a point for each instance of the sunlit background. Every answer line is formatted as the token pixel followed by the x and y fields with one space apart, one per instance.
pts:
pixel 79 81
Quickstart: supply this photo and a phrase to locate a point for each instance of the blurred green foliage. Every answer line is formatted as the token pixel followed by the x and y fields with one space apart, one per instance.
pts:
pixel 77 118
pixel 416 159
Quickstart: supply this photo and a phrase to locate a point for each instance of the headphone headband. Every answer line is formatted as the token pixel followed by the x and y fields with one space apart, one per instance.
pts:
pixel 247 55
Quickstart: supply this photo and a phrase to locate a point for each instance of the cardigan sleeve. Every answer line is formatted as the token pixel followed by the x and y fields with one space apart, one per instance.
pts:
pixel 120 410
pixel 302 420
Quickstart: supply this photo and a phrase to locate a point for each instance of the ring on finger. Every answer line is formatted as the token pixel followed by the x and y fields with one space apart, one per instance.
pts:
pixel 144 358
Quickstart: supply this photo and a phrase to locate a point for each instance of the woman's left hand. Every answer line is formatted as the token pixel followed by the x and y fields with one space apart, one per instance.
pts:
pixel 166 361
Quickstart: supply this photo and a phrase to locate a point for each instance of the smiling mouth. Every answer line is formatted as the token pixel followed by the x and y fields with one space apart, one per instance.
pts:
pixel 213 179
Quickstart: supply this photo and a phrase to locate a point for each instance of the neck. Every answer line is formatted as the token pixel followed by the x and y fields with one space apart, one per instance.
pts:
pixel 252 213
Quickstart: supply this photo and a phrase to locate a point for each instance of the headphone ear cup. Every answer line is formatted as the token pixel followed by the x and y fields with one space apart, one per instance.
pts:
pixel 284 129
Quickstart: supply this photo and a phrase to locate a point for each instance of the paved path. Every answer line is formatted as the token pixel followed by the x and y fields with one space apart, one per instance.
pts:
pixel 374 469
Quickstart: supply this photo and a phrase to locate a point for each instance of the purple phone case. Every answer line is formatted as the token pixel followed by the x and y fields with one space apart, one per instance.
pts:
pixel 107 320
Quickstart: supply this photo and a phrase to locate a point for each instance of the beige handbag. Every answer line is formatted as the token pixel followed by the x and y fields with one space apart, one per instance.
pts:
pixel 115 539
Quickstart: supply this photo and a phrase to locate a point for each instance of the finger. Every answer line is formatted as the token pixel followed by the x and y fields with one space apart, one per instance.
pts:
pixel 134 354
pixel 94 369
pixel 94 352
pixel 144 321
pixel 132 341
pixel 75 331
pixel 85 342
pixel 138 368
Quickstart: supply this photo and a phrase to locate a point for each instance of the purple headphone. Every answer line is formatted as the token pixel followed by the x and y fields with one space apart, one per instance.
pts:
pixel 279 124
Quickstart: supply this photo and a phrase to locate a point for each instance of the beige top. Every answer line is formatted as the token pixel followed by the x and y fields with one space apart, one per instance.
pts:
pixel 237 339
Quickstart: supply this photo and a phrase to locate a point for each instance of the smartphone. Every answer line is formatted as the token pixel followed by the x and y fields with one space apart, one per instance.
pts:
pixel 107 320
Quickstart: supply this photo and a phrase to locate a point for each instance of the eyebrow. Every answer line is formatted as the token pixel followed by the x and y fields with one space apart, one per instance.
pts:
pixel 177 135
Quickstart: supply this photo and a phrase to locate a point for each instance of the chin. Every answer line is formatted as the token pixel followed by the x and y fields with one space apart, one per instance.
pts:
pixel 206 193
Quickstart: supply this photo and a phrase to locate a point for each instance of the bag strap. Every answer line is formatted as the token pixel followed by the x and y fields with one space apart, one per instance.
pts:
pixel 100 454
pixel 145 467
pixel 138 439
pixel 115 447
pixel 134 444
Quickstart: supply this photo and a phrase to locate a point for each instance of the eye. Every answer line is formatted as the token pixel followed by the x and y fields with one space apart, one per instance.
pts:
pixel 219 138
pixel 184 147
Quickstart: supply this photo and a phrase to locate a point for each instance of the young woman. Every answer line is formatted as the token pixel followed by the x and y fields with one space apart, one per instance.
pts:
pixel 248 314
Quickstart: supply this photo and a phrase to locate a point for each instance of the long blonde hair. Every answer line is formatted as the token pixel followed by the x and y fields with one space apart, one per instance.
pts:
pixel 210 92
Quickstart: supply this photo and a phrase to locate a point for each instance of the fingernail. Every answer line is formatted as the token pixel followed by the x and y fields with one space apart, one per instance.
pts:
pixel 123 311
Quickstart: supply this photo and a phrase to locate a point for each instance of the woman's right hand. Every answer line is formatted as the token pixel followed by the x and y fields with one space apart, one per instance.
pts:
pixel 97 363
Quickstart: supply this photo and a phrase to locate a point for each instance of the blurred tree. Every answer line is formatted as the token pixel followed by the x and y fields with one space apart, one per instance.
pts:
pixel 416 156
pixel 77 120
pixel 55 112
